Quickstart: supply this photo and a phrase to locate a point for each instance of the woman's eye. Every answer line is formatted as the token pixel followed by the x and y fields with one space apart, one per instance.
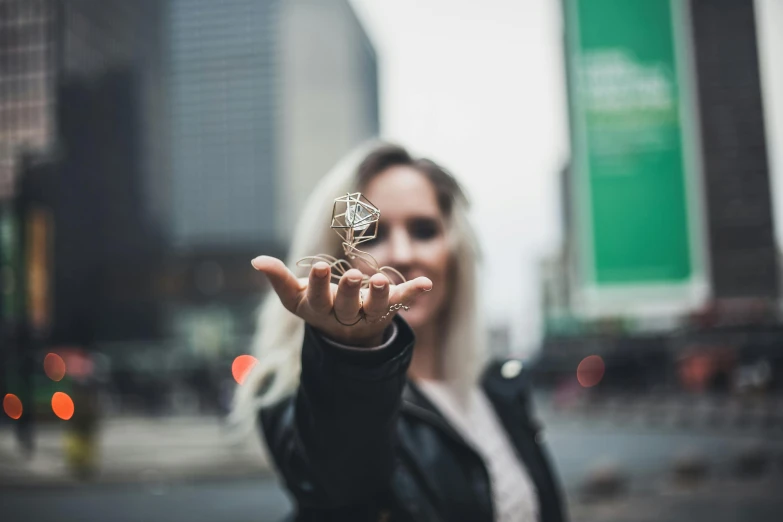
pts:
pixel 423 229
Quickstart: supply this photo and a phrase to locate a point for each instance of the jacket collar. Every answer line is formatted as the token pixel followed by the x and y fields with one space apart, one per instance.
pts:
pixel 509 393
pixel 509 400
pixel 415 403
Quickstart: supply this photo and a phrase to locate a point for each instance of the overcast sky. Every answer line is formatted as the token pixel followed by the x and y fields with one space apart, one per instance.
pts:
pixel 479 87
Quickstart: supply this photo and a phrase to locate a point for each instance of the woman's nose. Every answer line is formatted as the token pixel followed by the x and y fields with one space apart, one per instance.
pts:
pixel 401 249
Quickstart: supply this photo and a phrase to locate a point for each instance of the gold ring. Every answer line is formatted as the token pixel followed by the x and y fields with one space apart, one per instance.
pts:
pixel 362 315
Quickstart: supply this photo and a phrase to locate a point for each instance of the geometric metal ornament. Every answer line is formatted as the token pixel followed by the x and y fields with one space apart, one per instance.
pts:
pixel 355 219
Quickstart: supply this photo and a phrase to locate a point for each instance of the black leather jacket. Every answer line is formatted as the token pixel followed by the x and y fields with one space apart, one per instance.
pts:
pixel 358 441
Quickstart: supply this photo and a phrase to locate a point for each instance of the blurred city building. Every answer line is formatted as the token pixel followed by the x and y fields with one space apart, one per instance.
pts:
pixel 669 246
pixel 110 125
pixel 224 87
pixel 742 247
pixel 265 97
pixel 329 97
pixel 148 151
pixel 28 69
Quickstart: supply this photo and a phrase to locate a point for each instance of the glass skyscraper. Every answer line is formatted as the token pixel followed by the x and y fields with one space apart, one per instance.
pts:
pixel 265 96
pixel 223 101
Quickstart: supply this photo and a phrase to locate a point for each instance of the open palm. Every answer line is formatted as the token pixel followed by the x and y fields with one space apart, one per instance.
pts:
pixel 320 302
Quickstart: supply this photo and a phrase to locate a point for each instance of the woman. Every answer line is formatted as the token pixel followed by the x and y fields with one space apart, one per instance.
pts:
pixel 391 418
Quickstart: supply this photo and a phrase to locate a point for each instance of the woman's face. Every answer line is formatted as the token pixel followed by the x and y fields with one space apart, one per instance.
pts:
pixel 411 236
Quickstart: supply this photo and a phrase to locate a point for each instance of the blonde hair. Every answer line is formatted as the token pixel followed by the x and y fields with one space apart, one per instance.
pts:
pixel 277 343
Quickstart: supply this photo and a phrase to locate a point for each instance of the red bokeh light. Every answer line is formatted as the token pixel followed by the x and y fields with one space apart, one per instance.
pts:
pixel 590 371
pixel 62 405
pixel 54 367
pixel 241 367
pixel 12 406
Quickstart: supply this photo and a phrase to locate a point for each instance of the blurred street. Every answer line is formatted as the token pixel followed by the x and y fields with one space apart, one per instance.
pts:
pixel 183 469
pixel 225 500
pixel 136 450
pixel 717 501
pixel 261 500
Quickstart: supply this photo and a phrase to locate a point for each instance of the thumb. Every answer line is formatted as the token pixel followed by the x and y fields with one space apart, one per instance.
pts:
pixel 285 284
pixel 410 290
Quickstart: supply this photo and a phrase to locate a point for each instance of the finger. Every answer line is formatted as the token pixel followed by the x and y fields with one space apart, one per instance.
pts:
pixel 377 302
pixel 287 287
pixel 319 288
pixel 407 292
pixel 346 301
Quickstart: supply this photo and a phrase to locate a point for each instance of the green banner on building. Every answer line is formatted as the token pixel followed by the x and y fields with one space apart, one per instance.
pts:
pixel 635 176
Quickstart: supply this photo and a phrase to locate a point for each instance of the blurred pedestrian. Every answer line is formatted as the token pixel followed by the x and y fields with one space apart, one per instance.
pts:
pixel 392 418
pixel 82 433
pixel 82 439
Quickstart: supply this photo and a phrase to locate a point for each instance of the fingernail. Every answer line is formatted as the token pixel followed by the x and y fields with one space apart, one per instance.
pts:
pixel 354 282
pixel 255 262
pixel 428 289
pixel 378 286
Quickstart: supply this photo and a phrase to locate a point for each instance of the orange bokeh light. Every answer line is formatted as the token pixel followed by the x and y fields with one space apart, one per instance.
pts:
pixel 54 367
pixel 241 367
pixel 12 406
pixel 62 405
pixel 590 371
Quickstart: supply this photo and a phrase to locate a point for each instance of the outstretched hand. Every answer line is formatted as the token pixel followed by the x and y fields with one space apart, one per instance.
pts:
pixel 317 300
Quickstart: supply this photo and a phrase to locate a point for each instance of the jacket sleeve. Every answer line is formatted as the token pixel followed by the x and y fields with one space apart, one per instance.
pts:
pixel 333 440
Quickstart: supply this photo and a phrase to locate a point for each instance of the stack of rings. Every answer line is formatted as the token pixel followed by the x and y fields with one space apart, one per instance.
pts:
pixel 362 315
